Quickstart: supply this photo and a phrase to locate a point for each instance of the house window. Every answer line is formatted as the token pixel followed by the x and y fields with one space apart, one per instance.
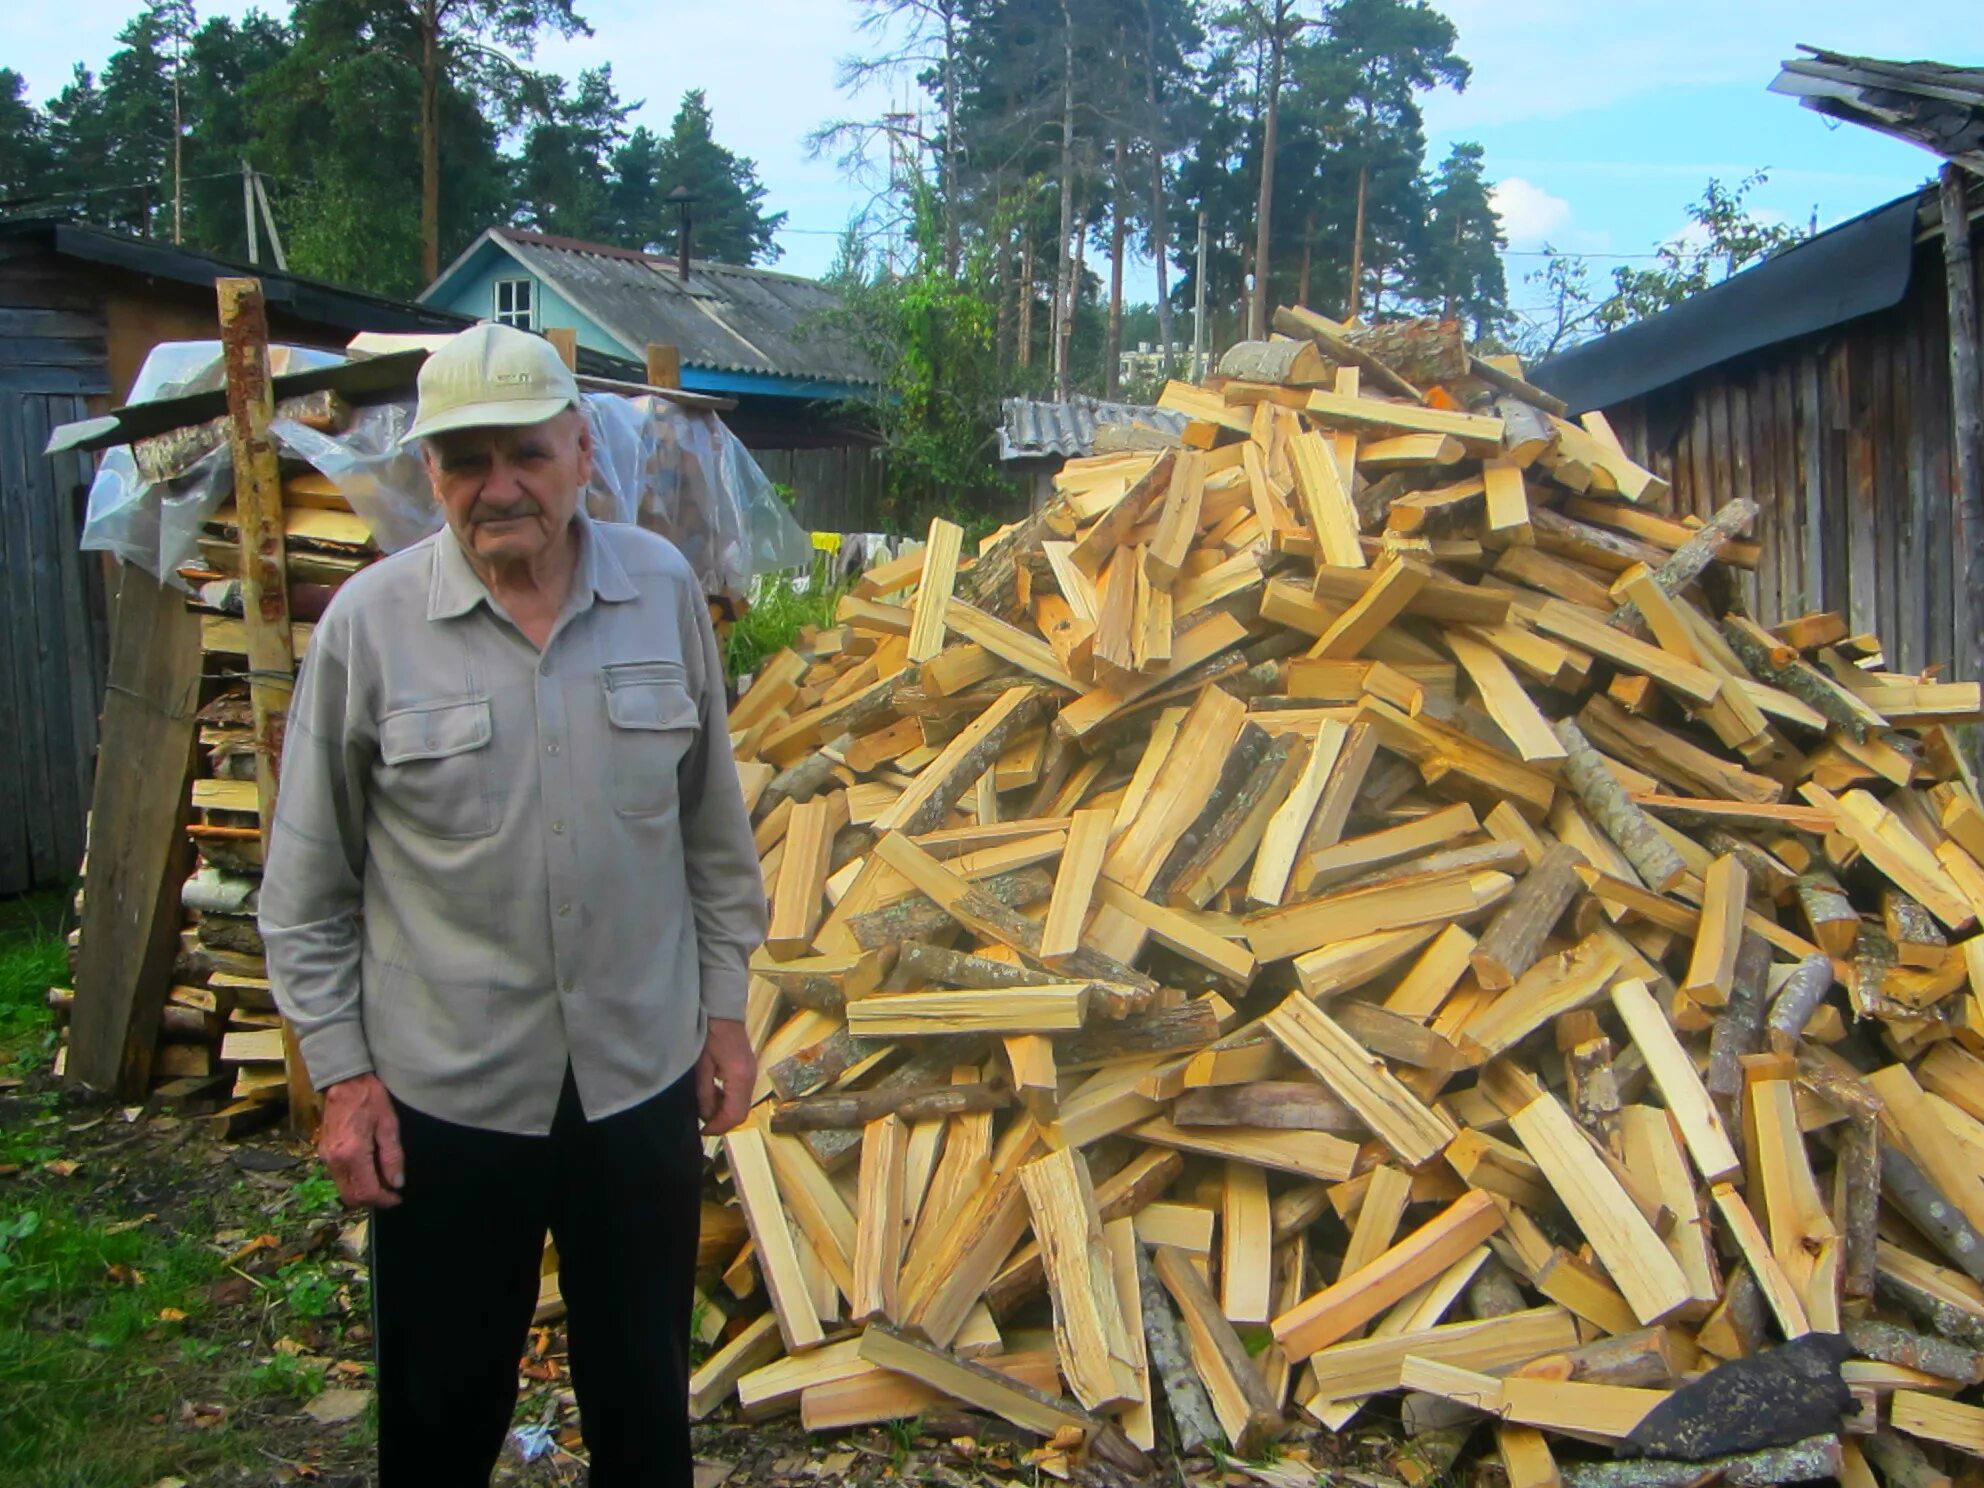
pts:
pixel 514 306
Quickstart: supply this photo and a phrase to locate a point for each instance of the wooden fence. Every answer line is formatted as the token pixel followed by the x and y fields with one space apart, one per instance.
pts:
pixel 838 487
pixel 1843 438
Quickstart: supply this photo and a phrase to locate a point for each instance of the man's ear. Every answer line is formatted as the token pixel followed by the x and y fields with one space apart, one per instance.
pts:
pixel 585 446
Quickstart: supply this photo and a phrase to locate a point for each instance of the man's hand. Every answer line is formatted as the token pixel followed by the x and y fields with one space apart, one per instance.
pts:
pixel 724 1076
pixel 360 1142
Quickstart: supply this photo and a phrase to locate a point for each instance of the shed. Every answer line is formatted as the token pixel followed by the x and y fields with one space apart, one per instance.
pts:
pixel 1037 437
pixel 767 339
pixel 1817 383
pixel 80 309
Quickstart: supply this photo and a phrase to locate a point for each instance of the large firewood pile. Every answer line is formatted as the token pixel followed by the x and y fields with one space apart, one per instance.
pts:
pixel 1350 913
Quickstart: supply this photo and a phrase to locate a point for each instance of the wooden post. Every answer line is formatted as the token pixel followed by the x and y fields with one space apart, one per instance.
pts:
pixel 566 340
pixel 664 365
pixel 244 333
pixel 138 849
pixel 1966 390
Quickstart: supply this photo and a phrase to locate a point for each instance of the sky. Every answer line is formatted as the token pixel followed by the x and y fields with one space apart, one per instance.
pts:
pixel 1601 123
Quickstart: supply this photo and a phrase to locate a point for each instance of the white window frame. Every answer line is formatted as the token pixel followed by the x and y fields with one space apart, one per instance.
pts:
pixel 524 319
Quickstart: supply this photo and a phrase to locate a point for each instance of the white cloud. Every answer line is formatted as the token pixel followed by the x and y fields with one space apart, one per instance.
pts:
pixel 1530 215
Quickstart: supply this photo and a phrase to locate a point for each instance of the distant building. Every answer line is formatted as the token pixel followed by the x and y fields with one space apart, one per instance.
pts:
pixel 764 338
pixel 1145 364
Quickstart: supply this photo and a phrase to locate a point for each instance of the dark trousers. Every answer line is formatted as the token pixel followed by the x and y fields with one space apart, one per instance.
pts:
pixel 455 1280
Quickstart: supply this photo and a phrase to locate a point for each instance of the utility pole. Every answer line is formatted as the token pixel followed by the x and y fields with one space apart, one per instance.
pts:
pixel 248 212
pixel 1199 305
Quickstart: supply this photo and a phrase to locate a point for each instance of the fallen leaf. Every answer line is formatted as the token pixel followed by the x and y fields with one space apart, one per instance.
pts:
pixel 335 1407
pixel 250 1248
pixel 61 1167
pixel 202 1415
pixel 169 1483
pixel 171 1315
pixel 119 1274
pixel 124 1225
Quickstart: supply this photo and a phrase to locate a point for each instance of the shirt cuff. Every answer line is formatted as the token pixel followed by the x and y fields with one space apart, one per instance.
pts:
pixel 723 992
pixel 335 1052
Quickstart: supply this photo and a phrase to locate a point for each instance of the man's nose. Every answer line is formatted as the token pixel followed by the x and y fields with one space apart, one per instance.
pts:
pixel 501 485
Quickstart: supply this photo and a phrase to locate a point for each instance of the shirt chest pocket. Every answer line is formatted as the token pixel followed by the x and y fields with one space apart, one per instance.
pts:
pixel 651 724
pixel 435 767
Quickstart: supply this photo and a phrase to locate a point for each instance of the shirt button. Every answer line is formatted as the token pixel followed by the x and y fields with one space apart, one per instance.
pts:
pixel 564 909
pixel 432 742
pixel 558 828
pixel 552 747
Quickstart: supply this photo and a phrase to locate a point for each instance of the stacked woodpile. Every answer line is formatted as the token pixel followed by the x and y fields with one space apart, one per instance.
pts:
pixel 1350 916
pixel 220 1035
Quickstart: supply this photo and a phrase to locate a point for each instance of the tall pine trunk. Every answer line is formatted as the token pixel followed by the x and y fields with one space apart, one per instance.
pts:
pixel 952 249
pixel 1308 257
pixel 1257 305
pixel 1112 353
pixel 1160 232
pixel 430 141
pixel 1064 270
pixel 1357 244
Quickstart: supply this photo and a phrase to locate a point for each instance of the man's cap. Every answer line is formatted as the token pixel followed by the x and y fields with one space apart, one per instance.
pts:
pixel 491 375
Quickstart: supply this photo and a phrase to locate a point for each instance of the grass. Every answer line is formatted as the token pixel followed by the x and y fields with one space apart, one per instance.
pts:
pixel 108 1324
pixel 32 959
pixel 777 612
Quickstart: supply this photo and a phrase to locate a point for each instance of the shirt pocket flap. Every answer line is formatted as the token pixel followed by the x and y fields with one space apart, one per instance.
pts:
pixel 434 731
pixel 649 695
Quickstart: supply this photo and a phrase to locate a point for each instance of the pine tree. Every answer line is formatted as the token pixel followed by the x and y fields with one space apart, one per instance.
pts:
pixel 1462 268
pixel 562 175
pixel 730 224
pixel 26 162
pixel 636 215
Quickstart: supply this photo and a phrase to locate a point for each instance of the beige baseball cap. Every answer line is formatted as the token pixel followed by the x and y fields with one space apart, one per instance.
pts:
pixel 491 374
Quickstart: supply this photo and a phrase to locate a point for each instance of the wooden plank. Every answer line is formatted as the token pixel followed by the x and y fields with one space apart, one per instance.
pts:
pixel 1631 1251
pixel 1089 1330
pixel 973 1383
pixel 1505 699
pixel 1332 515
pixel 881 1220
pixel 929 608
pixel 1329 1315
pixel 777 1255
pixel 264 580
pixel 138 850
pixel 1049 1007
pixel 1373 611
pixel 1337 410
pixel 1246 1243
pixel 1674 1074
pixel 1075 881
pixel 1712 967
pixel 1385 1104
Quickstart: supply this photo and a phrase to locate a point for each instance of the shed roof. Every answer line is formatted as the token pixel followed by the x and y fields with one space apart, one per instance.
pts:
pixel 724 317
pixel 1032 428
pixel 1854 269
pixel 1931 104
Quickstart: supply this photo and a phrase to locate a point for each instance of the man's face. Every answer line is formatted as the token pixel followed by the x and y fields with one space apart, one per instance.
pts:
pixel 509 492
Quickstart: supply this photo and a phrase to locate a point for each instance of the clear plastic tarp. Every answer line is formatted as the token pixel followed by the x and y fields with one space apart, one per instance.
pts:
pixel 673 470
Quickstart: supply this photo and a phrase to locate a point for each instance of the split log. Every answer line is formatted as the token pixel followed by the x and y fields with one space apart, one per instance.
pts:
pixel 850 1112
pixel 1761 655
pixel 1191 1407
pixel 919 918
pixel 1687 562
pixel 1873 1339
pixel 1630 829
pixel 1857 1169
pixel 1902 1463
pixel 1514 938
pixel 1931 1212
pixel 1816 1459
pixel 1834 922
pixel 1797 999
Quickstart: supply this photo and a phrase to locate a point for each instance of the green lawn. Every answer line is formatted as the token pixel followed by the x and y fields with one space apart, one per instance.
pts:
pixel 116 1333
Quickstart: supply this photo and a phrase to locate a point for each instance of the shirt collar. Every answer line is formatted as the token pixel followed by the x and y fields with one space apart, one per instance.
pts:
pixel 457 588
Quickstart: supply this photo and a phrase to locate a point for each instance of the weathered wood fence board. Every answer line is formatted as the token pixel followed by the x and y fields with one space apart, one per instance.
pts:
pixel 1843 439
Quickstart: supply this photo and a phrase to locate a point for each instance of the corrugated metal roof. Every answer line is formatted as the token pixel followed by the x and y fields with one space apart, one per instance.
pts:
pixel 726 318
pixel 1032 429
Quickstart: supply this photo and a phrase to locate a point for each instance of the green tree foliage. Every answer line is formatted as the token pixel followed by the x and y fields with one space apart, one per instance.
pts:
pixel 1461 268
pixel 932 334
pixel 329 104
pixel 730 223
pixel 1727 238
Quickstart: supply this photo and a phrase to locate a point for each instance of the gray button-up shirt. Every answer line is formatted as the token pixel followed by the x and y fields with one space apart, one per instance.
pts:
pixel 489 861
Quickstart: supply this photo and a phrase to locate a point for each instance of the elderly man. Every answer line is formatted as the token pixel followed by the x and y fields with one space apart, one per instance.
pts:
pixel 510 897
